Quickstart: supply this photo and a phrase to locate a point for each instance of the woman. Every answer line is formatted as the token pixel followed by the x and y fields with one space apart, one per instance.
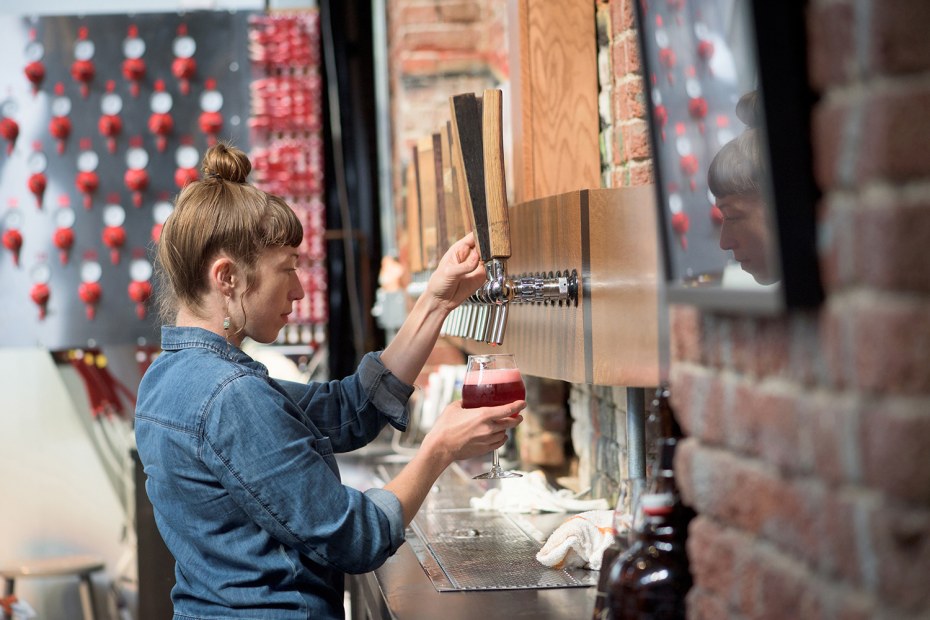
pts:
pixel 735 178
pixel 240 468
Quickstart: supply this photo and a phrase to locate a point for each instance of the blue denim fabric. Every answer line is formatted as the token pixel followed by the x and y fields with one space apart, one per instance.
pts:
pixel 241 472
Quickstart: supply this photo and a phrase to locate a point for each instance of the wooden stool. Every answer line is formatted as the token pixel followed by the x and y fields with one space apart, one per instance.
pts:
pixel 80 566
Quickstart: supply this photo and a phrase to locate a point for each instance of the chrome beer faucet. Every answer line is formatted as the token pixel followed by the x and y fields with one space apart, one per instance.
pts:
pixel 478 135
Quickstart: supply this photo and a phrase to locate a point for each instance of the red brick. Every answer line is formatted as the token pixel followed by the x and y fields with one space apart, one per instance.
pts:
pixel 831 56
pixel 837 343
pixel 805 350
pixel 686 336
pixel 902 544
pixel 761 346
pixel 631 102
pixel 743 425
pixel 633 66
pixel 702 605
pixel 618 58
pixel 892 234
pixel 837 249
pixel 896 134
pixel 892 338
pixel 712 555
pixel 828 121
pixel 899 36
pixel 640 173
pixel 635 139
pixel 442 37
pixel 784 588
pixel 776 409
pixel 622 17
pixel 831 423
pixel 895 434
pixel 699 398
pixel 440 12
pixel 846 548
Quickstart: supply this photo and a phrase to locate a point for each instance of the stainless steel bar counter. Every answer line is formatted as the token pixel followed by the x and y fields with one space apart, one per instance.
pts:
pixel 401 589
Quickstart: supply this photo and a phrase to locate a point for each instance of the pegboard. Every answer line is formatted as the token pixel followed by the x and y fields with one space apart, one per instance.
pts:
pixel 148 93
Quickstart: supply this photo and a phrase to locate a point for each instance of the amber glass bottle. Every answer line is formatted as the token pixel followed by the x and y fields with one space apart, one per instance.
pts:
pixel 623 526
pixel 650 580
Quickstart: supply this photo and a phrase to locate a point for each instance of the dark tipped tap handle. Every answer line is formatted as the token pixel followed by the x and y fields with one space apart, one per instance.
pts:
pixel 469 153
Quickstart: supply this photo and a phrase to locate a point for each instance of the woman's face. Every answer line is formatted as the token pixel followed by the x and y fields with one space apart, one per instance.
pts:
pixel 274 291
pixel 745 232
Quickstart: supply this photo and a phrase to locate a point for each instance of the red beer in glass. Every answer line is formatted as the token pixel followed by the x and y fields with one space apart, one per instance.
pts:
pixel 490 381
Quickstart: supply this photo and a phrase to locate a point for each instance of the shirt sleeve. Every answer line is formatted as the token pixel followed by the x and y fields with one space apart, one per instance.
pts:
pixel 282 474
pixel 352 411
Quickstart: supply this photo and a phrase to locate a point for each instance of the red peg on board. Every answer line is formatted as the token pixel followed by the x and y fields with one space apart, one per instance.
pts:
pixel 87 183
pixel 211 120
pixel 35 68
pixel 13 241
pixel 37 184
pixel 63 238
pixel 160 122
pixel 110 123
pixel 9 129
pixel 137 181
pixel 136 176
pixel 60 125
pixel 87 180
pixel 90 293
pixel 133 65
pixel 139 292
pixel 184 67
pixel 681 224
pixel 697 108
pixel 114 237
pixel 82 69
pixel 40 294
pixel 35 73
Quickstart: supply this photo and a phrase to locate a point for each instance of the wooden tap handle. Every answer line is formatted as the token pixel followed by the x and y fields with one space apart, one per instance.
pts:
pixel 492 127
pixel 469 155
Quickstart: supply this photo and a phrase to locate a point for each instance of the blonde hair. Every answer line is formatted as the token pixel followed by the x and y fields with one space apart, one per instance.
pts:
pixel 220 213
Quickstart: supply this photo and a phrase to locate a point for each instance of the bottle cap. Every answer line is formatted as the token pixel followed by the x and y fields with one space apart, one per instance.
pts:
pixel 657 503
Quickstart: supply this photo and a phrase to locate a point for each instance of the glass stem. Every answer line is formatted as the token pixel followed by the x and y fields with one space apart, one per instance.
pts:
pixel 495 462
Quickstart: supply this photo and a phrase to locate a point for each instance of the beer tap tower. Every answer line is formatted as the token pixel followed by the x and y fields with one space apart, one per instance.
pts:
pixel 477 135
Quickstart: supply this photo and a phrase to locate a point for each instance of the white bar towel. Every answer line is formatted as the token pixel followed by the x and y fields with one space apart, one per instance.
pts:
pixel 532 493
pixel 580 541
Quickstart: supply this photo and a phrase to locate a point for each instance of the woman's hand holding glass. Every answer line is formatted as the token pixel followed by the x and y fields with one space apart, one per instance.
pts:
pixel 467 433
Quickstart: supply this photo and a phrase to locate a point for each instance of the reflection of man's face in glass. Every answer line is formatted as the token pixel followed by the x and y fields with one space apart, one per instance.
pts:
pixel 746 233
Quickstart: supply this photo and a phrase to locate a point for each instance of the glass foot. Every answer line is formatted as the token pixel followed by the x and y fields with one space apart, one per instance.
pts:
pixel 494 474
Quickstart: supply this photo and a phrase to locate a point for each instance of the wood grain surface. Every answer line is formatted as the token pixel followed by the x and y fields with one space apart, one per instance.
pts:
pixel 554 92
pixel 429 201
pixel 611 336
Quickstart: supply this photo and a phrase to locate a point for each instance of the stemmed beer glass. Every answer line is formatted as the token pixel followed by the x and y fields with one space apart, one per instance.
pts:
pixel 492 380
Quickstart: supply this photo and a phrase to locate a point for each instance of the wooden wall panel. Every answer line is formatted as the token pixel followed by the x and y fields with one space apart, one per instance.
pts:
pixel 554 98
pixel 611 337
pixel 426 182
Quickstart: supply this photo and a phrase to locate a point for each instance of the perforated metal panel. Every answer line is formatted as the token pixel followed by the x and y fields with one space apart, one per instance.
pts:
pixel 479 550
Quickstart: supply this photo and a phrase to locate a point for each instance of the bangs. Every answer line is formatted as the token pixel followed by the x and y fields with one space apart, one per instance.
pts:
pixel 737 167
pixel 280 226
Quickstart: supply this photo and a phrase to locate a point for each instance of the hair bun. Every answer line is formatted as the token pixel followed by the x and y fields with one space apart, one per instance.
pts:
pixel 226 162
pixel 749 109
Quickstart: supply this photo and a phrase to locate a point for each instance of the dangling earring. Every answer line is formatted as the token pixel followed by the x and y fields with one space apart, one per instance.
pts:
pixel 226 321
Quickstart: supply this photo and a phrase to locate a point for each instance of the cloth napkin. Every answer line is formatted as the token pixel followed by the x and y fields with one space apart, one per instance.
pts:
pixel 579 542
pixel 532 493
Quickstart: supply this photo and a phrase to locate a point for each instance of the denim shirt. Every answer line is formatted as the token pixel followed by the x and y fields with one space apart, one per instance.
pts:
pixel 242 476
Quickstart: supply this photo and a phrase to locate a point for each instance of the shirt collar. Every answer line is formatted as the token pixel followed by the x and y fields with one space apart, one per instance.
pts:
pixel 175 338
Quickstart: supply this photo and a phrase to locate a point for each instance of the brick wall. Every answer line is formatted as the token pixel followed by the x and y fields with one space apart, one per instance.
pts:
pixel 808 452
